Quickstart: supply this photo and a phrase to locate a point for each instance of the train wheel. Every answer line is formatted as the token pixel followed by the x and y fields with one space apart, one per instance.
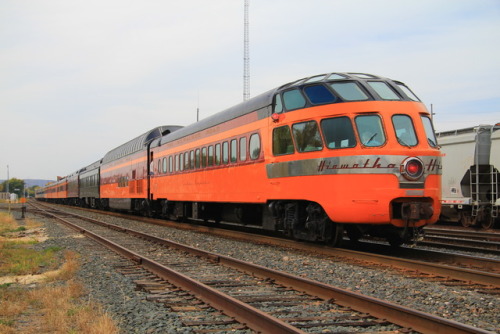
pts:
pixel 466 219
pixel 488 220
pixel 337 234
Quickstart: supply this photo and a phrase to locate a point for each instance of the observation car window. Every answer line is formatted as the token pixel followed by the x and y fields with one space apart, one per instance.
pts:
pixel 370 130
pixel 307 137
pixel 315 79
pixel 319 94
pixel 405 133
pixel 197 158
pixel 429 131
pixel 278 106
pixel 181 162
pixel 282 141
pixel 254 146
pixel 293 99
pixel 186 161
pixel 408 92
pixel 338 132
pixel 234 150
pixel 362 75
pixel 336 76
pixel 211 155
pixel 171 164
pixel 191 160
pixel 217 154
pixel 204 157
pixel 165 165
pixel 177 164
pixel 383 90
pixel 243 148
pixel 159 166
pixel 349 91
pixel 225 152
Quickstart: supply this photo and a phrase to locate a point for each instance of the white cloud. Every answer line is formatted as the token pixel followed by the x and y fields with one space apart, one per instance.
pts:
pixel 85 76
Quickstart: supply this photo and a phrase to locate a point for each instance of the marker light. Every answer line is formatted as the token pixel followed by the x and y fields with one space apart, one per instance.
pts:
pixel 412 168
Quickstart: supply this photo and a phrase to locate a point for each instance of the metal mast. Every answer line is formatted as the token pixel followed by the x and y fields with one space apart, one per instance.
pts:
pixel 246 56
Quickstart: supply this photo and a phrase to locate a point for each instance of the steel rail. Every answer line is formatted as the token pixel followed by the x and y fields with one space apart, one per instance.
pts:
pixel 460 247
pixel 479 244
pixel 244 313
pixel 400 315
pixel 471 234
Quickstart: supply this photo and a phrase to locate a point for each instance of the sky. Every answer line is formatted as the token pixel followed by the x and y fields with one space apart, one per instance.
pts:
pixel 79 78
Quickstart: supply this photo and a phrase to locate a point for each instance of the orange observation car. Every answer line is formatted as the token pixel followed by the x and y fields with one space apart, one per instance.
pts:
pixel 332 152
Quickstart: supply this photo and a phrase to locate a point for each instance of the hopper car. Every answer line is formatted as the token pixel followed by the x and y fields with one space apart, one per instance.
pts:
pixel 471 178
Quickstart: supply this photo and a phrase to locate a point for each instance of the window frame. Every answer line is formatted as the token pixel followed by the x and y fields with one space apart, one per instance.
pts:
pixel 254 157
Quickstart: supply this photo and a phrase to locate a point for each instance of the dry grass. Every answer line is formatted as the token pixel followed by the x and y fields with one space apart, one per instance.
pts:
pixel 62 314
pixel 48 308
pixel 7 223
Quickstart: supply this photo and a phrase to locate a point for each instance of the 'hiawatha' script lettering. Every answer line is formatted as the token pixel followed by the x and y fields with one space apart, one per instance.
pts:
pixel 326 165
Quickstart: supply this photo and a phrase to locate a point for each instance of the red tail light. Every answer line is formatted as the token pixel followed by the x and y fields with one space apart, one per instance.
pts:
pixel 412 168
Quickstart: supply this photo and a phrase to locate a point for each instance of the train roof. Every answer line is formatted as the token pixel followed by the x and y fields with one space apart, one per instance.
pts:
pixel 263 102
pixel 257 103
pixel 139 143
pixel 469 130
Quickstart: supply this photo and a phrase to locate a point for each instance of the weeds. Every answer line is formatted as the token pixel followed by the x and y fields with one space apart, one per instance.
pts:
pixel 49 308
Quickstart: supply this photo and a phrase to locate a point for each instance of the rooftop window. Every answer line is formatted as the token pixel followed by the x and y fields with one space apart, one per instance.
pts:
pixel 319 94
pixel 383 90
pixel 349 91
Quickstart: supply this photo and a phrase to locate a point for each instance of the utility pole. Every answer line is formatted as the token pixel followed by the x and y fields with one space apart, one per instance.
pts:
pixel 8 193
pixel 246 55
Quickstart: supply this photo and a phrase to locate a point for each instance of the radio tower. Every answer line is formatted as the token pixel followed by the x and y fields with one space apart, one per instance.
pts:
pixel 246 56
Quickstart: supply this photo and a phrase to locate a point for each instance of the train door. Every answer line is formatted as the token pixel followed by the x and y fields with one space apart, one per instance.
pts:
pixel 150 171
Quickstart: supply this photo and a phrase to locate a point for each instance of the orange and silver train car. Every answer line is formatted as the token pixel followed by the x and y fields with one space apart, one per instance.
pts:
pixel 56 192
pixel 310 158
pixel 124 173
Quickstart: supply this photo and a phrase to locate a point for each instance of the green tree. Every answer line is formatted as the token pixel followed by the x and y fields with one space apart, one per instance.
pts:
pixel 15 186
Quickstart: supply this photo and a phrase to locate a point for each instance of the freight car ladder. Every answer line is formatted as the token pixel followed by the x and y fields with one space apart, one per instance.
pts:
pixel 484 187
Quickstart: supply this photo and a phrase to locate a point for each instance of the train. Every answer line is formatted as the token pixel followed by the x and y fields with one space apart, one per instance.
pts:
pixel 310 159
pixel 470 177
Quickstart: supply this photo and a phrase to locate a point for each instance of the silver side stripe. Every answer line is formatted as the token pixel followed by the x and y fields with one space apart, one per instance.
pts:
pixel 364 164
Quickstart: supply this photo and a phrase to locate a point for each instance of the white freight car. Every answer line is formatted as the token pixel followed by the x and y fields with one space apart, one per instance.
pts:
pixel 470 180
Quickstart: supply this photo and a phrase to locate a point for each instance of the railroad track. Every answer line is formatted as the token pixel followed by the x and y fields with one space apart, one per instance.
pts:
pixel 469 272
pixel 262 299
pixel 469 233
pixel 467 240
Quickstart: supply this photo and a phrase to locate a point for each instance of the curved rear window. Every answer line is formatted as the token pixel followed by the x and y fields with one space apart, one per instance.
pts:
pixel 370 130
pixel 408 92
pixel 405 133
pixel 429 131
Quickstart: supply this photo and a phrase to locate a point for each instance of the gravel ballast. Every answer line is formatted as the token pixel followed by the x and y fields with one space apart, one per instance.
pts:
pixel 134 314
